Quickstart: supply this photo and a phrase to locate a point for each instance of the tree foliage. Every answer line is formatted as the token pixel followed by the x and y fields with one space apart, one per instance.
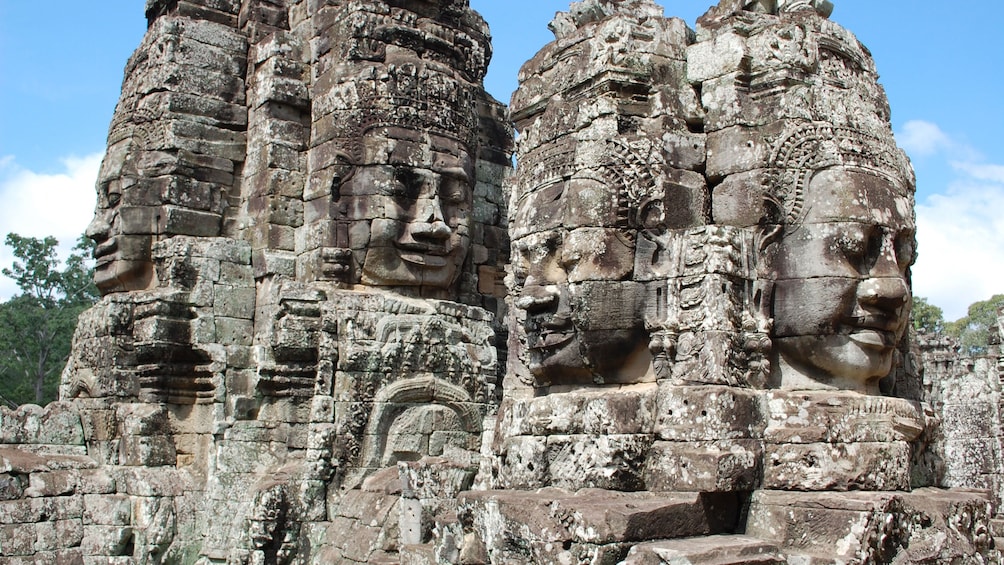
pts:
pixel 36 326
pixel 927 317
pixel 973 331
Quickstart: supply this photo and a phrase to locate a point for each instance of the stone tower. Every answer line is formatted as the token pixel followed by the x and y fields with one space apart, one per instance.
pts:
pixel 337 327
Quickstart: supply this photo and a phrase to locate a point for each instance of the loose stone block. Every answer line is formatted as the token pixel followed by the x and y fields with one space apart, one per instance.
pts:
pixel 711 549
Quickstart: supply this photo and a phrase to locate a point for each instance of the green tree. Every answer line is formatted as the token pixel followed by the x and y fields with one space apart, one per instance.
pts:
pixel 973 330
pixel 927 317
pixel 36 326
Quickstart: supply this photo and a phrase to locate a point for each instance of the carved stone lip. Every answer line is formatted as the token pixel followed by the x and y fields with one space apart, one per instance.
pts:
pixel 104 251
pixel 425 255
pixel 424 260
pixel 873 338
pixel 550 340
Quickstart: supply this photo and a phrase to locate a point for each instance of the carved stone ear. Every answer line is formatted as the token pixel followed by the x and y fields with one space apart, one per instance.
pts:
pixel 343 169
pixel 767 235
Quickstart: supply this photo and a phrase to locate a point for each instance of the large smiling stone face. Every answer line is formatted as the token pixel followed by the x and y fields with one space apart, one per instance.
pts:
pixel 842 294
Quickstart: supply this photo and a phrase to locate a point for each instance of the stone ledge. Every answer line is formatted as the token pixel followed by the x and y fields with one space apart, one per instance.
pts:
pixel 710 550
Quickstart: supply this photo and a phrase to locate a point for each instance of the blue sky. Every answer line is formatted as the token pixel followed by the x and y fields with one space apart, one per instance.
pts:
pixel 61 68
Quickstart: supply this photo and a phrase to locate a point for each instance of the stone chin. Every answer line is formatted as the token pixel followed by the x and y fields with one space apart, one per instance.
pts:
pixel 391 266
pixel 857 360
pixel 115 274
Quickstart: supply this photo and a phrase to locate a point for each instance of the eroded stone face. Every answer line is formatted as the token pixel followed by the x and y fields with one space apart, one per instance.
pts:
pixel 582 318
pixel 415 207
pixel 122 232
pixel 842 293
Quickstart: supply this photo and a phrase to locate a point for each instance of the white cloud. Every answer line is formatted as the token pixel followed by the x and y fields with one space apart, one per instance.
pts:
pixel 992 173
pixel 39 205
pixel 960 229
pixel 961 245
pixel 923 139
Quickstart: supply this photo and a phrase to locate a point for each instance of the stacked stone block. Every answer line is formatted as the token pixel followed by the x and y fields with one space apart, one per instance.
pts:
pixel 302 238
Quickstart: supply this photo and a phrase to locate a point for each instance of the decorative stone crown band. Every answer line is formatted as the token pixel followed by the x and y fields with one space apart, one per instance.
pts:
pixel 802 151
pixel 409 96
pixel 447 32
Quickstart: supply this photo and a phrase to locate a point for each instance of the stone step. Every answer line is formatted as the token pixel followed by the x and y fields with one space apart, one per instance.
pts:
pixel 708 550
pixel 554 524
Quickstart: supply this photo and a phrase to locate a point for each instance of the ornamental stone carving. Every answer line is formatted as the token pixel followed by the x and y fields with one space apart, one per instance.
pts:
pixel 337 327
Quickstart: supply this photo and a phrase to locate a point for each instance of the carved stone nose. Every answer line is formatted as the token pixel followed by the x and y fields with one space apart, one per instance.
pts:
pixel 887 293
pixel 430 221
pixel 99 227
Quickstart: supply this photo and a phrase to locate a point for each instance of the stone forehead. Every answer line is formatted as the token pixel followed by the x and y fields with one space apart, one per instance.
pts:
pixel 803 151
pixel 601 184
pixel 397 146
pixel 405 100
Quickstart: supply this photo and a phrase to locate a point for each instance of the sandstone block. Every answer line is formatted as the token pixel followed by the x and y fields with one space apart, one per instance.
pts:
pixel 11 486
pixel 60 425
pixel 874 527
pixel 597 461
pixel 107 510
pixel 17 539
pixel 713 550
pixel 738 200
pixel 843 417
pixel 525 463
pixel 105 540
pixel 685 150
pixel 722 466
pixel 60 534
pixel 147 451
pixel 628 411
pixel 593 516
pixel 739 149
pixel 54 483
pixel 707 413
pixel 710 59
pixel 837 466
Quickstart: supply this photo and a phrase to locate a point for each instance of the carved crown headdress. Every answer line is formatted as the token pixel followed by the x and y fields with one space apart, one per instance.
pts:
pixel 802 151
pixel 416 66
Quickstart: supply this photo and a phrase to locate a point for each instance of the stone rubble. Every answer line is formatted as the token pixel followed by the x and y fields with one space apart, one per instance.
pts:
pixel 337 326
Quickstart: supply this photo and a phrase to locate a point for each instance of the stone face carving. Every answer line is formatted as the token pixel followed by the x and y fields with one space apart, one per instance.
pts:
pixel 172 153
pixel 302 233
pixel 593 178
pixel 417 203
pixel 844 245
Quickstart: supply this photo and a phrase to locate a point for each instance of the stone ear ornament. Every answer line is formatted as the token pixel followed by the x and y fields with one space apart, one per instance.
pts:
pixel 633 171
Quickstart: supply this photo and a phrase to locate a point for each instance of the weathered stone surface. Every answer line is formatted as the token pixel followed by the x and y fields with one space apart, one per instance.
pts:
pixel 704 466
pixel 710 550
pixel 312 326
pixel 870 527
